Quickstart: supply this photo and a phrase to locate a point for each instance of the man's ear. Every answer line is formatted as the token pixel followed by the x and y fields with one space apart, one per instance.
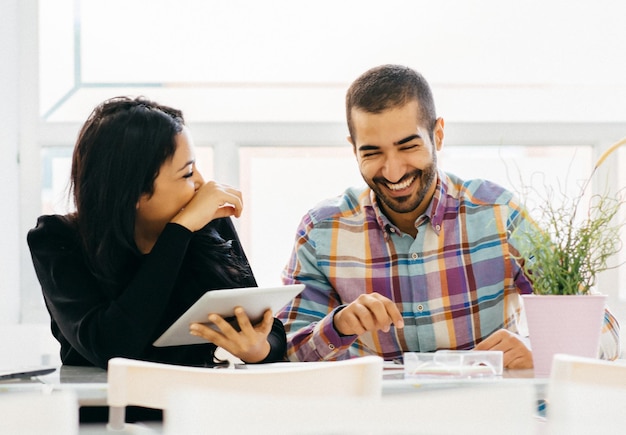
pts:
pixel 352 143
pixel 439 124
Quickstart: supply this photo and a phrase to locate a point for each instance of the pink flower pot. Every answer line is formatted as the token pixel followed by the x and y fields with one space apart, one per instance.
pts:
pixel 570 324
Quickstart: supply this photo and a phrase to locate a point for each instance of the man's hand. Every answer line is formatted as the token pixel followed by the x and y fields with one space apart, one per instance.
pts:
pixel 516 354
pixel 369 312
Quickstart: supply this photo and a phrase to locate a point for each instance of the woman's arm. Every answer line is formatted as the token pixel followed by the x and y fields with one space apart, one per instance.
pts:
pixel 97 326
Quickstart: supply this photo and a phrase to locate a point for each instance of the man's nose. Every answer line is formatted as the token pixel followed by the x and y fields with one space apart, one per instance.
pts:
pixel 394 168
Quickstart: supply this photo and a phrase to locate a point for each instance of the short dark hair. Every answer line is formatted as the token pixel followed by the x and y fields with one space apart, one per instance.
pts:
pixel 116 159
pixel 389 86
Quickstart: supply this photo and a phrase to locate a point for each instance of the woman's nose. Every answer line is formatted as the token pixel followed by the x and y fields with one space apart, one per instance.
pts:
pixel 198 179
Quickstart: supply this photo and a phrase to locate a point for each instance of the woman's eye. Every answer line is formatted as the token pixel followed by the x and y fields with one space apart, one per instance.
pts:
pixel 189 175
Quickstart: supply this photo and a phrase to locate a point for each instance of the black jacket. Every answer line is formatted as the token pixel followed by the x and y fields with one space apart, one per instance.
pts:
pixel 93 325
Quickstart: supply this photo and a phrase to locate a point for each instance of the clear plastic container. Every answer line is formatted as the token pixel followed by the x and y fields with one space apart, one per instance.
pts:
pixel 453 364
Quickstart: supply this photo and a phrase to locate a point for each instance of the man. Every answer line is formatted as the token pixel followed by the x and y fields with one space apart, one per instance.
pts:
pixel 417 261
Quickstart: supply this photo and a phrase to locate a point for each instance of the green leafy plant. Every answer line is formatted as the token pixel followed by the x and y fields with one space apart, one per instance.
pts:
pixel 572 243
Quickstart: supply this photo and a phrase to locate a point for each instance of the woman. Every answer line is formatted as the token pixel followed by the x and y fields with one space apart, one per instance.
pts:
pixel 148 238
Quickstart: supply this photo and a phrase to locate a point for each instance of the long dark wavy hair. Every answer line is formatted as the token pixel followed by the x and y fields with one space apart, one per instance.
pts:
pixel 117 157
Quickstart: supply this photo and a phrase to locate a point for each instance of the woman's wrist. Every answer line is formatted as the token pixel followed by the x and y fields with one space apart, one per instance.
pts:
pixel 254 359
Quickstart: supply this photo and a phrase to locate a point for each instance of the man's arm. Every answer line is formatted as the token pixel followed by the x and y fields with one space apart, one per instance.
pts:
pixel 308 318
pixel 609 340
pixel 319 324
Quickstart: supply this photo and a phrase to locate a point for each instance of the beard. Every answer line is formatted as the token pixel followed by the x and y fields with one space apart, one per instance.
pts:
pixel 406 204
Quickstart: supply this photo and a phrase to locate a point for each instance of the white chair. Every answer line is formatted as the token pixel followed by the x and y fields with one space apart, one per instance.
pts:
pixel 148 384
pixel 485 409
pixel 29 413
pixel 586 395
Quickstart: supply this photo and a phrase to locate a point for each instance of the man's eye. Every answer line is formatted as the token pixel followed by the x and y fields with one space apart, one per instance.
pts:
pixel 372 154
pixel 189 175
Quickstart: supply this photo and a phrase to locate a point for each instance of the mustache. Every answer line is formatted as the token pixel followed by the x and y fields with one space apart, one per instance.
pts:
pixel 416 173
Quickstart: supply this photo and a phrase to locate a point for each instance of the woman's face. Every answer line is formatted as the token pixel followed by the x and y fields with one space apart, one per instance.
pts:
pixel 174 187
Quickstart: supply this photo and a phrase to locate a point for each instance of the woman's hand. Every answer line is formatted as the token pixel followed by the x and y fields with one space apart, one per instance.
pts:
pixel 248 344
pixel 211 201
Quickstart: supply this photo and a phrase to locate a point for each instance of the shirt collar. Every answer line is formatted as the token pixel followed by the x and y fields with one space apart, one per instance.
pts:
pixel 434 212
pixel 437 205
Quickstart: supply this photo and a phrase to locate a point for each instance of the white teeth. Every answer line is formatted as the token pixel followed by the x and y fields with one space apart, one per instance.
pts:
pixel 400 186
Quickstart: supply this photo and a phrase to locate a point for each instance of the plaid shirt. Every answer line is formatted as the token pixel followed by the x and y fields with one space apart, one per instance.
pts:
pixel 456 283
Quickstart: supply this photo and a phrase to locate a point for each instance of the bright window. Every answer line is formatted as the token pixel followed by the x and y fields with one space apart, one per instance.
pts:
pixel 529 171
pixel 281 184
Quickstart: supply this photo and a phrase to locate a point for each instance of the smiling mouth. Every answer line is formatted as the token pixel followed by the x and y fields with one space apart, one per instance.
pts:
pixel 400 186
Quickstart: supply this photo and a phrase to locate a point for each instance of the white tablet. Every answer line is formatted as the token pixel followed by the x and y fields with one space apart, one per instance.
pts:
pixel 24 372
pixel 254 300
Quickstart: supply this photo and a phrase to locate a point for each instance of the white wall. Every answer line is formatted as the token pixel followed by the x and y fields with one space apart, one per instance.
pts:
pixel 32 308
pixel 9 175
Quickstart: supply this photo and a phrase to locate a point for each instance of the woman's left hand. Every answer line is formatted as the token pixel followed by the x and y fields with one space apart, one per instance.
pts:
pixel 248 344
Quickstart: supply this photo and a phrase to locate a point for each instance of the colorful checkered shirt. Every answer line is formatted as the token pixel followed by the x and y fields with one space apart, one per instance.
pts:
pixel 456 283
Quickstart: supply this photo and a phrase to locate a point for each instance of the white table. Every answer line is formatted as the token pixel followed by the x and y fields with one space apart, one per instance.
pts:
pixel 90 386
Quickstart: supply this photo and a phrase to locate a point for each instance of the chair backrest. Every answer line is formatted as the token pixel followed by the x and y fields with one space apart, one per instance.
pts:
pixel 54 413
pixel 586 395
pixel 148 384
pixel 489 409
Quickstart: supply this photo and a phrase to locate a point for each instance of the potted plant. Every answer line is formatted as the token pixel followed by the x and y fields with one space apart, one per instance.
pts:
pixel 574 239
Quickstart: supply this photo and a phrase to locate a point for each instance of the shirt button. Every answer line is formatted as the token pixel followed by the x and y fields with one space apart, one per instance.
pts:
pixel 414 256
pixel 419 308
pixel 438 227
pixel 392 230
pixel 331 346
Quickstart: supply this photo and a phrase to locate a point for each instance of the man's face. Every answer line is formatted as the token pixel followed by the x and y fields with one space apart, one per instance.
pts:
pixel 396 157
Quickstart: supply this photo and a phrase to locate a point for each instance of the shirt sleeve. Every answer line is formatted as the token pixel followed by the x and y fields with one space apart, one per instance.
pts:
pixel 308 319
pixel 609 339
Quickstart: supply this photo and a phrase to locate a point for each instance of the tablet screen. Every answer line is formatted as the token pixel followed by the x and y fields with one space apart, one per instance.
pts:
pixel 254 300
